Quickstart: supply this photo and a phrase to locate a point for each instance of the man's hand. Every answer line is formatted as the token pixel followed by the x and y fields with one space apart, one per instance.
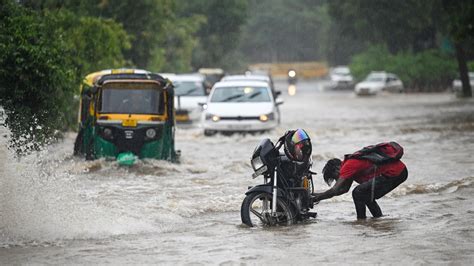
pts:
pixel 316 197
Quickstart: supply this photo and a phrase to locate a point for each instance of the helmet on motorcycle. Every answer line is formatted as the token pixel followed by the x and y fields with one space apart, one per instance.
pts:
pixel 331 170
pixel 298 145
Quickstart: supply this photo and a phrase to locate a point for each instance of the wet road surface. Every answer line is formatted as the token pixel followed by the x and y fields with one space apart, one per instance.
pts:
pixel 59 209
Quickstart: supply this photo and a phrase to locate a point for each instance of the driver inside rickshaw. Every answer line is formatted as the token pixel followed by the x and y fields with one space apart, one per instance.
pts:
pixel 131 101
pixel 135 103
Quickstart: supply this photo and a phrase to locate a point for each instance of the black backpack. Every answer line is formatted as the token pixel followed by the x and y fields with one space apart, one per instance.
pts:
pixel 381 153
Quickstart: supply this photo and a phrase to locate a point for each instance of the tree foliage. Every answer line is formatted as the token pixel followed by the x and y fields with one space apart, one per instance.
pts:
pixel 160 39
pixel 461 30
pixel 401 25
pixel 220 34
pixel 427 70
pixel 36 79
pixel 285 31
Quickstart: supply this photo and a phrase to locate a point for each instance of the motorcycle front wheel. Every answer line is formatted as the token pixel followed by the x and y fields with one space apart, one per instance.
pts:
pixel 256 211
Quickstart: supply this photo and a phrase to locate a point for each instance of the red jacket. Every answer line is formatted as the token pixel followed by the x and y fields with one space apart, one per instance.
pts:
pixel 363 170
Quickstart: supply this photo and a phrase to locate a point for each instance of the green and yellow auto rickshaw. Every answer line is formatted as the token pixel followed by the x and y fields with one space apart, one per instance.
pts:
pixel 126 114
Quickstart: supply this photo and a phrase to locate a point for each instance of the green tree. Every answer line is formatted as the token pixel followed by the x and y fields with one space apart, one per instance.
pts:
pixel 427 70
pixel 36 79
pixel 460 28
pixel 92 43
pixel 160 39
pixel 401 25
pixel 143 20
pixel 219 36
pixel 178 41
pixel 279 31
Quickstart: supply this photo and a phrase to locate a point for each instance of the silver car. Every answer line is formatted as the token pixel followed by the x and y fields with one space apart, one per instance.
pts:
pixel 376 82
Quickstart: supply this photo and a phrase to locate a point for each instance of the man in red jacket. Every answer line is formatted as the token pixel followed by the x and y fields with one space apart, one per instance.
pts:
pixel 375 181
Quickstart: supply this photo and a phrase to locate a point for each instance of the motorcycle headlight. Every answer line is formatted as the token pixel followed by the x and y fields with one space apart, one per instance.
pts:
pixel 258 166
pixel 257 163
pixel 150 133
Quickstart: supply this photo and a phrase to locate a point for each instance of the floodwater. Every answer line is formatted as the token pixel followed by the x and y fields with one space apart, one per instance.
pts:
pixel 58 209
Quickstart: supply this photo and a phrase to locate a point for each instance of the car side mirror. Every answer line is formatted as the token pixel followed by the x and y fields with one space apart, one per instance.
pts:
pixel 277 93
pixel 279 101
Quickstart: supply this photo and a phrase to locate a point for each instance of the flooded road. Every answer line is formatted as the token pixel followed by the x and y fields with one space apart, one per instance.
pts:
pixel 59 209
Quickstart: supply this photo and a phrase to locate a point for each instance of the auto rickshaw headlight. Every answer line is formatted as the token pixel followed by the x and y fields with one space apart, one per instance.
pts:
pixel 150 133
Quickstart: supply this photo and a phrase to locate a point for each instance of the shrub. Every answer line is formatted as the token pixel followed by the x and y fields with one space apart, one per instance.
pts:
pixel 425 71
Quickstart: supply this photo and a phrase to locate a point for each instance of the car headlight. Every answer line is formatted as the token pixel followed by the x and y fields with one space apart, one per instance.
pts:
pixel 150 133
pixel 212 117
pixel 267 117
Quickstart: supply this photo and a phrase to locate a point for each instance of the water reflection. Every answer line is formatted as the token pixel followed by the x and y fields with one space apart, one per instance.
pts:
pixel 379 226
pixel 291 90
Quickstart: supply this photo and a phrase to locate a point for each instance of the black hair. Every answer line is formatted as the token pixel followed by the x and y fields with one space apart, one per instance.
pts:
pixel 331 170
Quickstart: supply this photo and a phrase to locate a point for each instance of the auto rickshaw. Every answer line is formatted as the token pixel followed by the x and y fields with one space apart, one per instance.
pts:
pixel 126 114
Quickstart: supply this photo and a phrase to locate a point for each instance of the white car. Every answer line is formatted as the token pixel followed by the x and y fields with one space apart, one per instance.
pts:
pixel 240 106
pixel 254 77
pixel 246 77
pixel 189 92
pixel 457 84
pixel 379 81
pixel 340 78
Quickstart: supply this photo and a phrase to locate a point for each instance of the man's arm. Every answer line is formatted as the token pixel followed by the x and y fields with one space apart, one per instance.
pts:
pixel 342 186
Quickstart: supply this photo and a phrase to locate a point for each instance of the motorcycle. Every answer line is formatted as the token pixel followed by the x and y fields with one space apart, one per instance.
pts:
pixel 284 198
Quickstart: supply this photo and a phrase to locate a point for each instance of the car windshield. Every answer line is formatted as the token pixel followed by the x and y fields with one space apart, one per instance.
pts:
pixel 131 99
pixel 241 94
pixel 342 71
pixel 189 88
pixel 375 78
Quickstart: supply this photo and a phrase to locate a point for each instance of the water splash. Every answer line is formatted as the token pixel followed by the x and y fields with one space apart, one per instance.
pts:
pixel 450 187
pixel 41 204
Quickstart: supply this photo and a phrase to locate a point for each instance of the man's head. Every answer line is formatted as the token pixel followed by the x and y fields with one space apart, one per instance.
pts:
pixel 331 171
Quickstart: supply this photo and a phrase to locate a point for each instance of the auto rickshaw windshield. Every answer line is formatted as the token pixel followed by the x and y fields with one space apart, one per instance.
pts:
pixel 132 99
